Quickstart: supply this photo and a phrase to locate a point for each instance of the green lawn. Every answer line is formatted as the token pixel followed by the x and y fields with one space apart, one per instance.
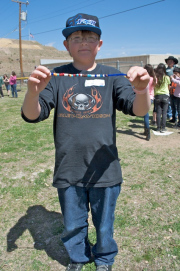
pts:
pixel 147 223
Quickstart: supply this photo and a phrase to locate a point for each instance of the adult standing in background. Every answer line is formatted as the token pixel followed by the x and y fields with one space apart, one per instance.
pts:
pixel 1 83
pixel 6 82
pixel 171 61
pixel 12 82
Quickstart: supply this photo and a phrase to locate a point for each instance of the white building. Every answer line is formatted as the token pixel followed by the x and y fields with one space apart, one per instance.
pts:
pixel 121 63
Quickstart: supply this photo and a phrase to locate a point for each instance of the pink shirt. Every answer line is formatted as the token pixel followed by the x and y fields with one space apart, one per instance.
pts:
pixel 177 89
pixel 12 80
pixel 151 88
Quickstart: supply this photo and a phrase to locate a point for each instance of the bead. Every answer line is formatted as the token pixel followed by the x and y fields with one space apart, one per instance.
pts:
pixel 87 75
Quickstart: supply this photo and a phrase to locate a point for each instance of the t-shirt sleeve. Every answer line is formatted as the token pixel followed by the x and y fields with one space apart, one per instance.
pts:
pixel 124 96
pixel 47 102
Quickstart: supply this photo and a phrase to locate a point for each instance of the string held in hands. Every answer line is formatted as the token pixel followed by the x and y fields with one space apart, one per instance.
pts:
pixel 87 75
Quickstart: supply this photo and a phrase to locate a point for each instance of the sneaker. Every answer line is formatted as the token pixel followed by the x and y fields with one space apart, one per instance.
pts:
pixel 104 267
pixel 74 267
pixel 172 121
pixel 158 130
pixel 153 123
pixel 163 130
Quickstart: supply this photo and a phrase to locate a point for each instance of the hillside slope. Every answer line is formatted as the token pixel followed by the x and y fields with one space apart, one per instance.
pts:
pixel 32 52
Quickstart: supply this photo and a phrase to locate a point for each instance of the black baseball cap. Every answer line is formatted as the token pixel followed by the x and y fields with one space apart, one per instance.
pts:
pixel 82 22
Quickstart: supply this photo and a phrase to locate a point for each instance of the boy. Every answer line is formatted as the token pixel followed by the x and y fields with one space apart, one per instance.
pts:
pixel 87 170
pixel 171 61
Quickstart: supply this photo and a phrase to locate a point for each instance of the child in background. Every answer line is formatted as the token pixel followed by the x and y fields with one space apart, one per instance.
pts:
pixel 152 83
pixel 173 102
pixel 87 169
pixel 171 61
pixel 176 79
pixel 161 93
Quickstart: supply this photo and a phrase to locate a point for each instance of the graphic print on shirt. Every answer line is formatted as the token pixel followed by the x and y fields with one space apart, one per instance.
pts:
pixel 79 103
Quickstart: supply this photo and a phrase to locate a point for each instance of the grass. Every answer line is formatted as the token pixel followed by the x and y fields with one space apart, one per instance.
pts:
pixel 147 218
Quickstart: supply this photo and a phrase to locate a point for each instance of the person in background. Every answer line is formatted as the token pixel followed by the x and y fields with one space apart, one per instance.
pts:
pixel 161 94
pixel 173 102
pixel 6 83
pixel 152 84
pixel 1 83
pixel 171 61
pixel 12 82
pixel 175 78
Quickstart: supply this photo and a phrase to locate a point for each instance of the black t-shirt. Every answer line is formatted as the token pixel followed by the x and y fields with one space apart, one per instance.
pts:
pixel 84 125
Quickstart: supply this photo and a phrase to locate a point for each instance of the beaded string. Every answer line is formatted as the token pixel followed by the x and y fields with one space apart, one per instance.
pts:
pixel 87 75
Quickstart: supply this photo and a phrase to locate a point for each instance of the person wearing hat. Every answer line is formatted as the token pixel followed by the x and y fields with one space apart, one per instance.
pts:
pixel 87 169
pixel 171 61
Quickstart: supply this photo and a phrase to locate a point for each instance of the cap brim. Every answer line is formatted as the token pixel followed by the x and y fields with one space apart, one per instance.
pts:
pixel 69 30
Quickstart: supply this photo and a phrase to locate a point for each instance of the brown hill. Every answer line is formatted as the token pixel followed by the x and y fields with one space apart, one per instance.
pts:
pixel 32 52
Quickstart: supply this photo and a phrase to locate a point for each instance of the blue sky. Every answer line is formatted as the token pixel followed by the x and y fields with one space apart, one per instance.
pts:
pixel 128 29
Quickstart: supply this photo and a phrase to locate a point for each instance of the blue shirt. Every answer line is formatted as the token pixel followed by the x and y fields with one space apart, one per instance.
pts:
pixel 169 71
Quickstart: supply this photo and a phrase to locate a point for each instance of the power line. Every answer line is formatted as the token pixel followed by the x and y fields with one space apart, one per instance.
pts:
pixel 68 7
pixel 113 14
pixel 65 12
pixel 16 29
pixel 131 9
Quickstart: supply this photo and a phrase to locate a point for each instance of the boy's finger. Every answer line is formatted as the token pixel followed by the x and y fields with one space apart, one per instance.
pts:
pixel 34 80
pixel 39 74
pixel 43 69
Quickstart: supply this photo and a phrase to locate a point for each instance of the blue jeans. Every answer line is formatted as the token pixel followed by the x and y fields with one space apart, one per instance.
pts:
pixel 169 111
pixel 14 91
pixel 74 202
pixel 177 106
pixel 173 106
pixel 146 119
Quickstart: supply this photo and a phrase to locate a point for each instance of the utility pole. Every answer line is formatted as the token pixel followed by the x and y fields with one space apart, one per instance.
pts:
pixel 20 45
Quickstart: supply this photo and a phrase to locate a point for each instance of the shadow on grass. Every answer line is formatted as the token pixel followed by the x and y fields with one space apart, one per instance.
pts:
pixel 139 124
pixel 45 228
pixel 131 132
pixel 136 124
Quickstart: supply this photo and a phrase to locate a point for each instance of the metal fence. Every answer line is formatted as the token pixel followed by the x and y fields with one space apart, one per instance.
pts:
pixel 122 66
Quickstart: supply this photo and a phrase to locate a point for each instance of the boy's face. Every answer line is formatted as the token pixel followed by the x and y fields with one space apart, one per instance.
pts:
pixel 83 46
pixel 170 63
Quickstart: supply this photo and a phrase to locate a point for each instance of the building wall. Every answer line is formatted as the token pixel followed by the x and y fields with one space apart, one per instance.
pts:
pixel 121 63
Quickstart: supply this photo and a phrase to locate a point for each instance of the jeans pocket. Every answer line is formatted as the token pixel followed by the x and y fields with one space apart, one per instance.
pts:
pixel 165 100
pixel 157 101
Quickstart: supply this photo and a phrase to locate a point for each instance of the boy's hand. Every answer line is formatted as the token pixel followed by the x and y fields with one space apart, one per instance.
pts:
pixel 138 77
pixel 38 80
